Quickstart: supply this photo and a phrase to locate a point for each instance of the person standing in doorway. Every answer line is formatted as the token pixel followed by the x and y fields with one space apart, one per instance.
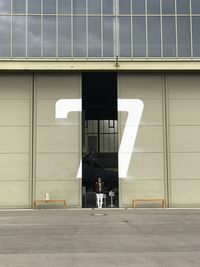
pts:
pixel 99 192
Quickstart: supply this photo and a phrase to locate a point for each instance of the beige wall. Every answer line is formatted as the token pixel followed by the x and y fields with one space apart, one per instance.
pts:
pixel 166 156
pixel 57 141
pixel 184 139
pixel 15 140
pixel 145 176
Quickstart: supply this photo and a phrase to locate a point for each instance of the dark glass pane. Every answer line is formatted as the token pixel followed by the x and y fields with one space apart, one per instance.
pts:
pixel 79 6
pixel 94 7
pixel 196 36
pixel 124 7
pixel 183 32
pixel 5 6
pixel 34 36
pixel 168 6
pixel 169 37
pixel 138 6
pixel 195 6
pixel 108 6
pixel 139 37
pixel 183 6
pixel 108 36
pixel 153 6
pixel 49 6
pixel 154 46
pixel 79 37
pixel 125 36
pixel 64 36
pixel 5 40
pixel 64 6
pixel 18 36
pixel 94 37
pixel 19 6
pixel 49 36
pixel 34 6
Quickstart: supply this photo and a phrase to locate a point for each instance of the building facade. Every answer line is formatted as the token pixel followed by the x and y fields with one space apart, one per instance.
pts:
pixel 153 49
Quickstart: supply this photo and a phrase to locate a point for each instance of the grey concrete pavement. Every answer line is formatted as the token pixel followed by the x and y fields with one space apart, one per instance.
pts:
pixel 140 237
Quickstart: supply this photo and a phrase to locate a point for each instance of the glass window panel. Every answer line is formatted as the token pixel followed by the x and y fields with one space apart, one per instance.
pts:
pixel 139 37
pixel 79 37
pixel 111 143
pixel 153 6
pixel 19 6
pixel 196 36
pixel 34 36
pixel 94 7
pixel 138 6
pixel 5 6
pixel 108 6
pixel 49 6
pixel 105 142
pixel 18 36
pixel 34 6
pixel 94 36
pixel 183 32
pixel 124 7
pixel 49 36
pixel 5 40
pixel 169 37
pixel 125 36
pixel 153 26
pixel 64 6
pixel 168 6
pixel 183 6
pixel 108 36
pixel 101 126
pixel 95 126
pixel 101 143
pixel 64 36
pixel 79 6
pixel 195 6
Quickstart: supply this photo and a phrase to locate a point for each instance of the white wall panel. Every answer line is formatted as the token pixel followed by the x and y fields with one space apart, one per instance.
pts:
pixel 14 166
pixel 185 192
pixel 185 165
pixel 183 86
pixel 145 177
pixel 15 140
pixel 58 141
pixel 136 85
pixel 184 142
pixel 57 166
pixel 14 112
pixel 184 138
pixel 184 111
pixel 15 86
pixel 56 86
pixel 14 194
pixel 146 166
pixel 149 139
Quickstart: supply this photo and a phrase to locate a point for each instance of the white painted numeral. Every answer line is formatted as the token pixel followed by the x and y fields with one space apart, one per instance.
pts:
pixel 134 107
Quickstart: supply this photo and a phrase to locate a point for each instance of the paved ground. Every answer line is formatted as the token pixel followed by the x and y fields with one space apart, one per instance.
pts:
pixel 141 237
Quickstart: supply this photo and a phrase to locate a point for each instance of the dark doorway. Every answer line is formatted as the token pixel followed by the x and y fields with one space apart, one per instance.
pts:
pixel 100 137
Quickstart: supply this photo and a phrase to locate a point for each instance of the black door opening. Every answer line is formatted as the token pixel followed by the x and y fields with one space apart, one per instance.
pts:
pixel 100 137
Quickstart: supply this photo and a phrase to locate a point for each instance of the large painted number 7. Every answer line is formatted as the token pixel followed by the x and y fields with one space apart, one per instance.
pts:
pixel 134 107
